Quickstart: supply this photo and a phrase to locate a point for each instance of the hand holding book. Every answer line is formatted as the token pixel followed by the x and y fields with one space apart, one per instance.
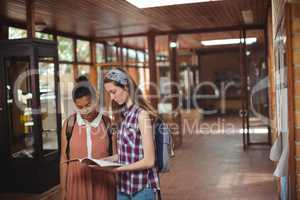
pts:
pixel 99 163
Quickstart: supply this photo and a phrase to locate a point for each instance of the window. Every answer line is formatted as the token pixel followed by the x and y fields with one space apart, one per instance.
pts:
pixel 84 70
pixel 66 75
pixel 111 53
pixel 48 106
pixel 44 36
pixel 124 54
pixel 100 53
pixel 65 49
pixel 141 58
pixel 131 55
pixel 83 51
pixel 16 33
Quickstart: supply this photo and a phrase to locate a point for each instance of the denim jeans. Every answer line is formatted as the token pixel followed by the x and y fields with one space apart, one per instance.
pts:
pixel 145 194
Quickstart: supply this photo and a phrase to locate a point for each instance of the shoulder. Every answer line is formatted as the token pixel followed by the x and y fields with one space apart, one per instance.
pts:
pixel 143 116
pixel 70 121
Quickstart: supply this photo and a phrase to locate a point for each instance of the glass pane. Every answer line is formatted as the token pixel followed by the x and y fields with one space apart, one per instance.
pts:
pixel 19 108
pixel 44 36
pixel 141 58
pixel 16 33
pixel 119 53
pixel 66 85
pixel 65 49
pixel 83 51
pixel 147 57
pixel 124 54
pixel 48 106
pixel 111 53
pixel 131 55
pixel 100 53
pixel 84 70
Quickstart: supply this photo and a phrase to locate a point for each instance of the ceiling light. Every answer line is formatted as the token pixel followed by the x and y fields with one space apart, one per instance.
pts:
pixel 159 3
pixel 40 26
pixel 250 40
pixel 173 44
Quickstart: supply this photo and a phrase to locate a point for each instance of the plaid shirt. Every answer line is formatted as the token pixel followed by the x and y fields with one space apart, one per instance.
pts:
pixel 130 150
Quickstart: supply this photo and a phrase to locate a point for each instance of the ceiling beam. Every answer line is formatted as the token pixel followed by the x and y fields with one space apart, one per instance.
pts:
pixel 30 18
pixel 190 31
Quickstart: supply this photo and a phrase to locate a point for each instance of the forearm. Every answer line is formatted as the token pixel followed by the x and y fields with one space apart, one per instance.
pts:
pixel 63 175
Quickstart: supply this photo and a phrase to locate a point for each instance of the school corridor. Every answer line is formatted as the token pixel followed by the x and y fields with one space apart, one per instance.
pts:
pixel 223 74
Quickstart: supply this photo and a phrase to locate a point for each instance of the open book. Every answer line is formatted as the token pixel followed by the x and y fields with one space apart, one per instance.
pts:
pixel 97 162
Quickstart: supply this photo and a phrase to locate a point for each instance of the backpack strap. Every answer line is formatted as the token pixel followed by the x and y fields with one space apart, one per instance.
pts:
pixel 69 131
pixel 107 124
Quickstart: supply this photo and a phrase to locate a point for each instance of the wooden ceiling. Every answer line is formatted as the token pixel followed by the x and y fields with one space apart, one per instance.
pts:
pixel 100 18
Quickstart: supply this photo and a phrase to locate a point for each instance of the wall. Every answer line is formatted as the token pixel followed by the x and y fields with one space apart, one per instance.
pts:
pixel 295 28
pixel 216 62
pixel 289 12
pixel 221 63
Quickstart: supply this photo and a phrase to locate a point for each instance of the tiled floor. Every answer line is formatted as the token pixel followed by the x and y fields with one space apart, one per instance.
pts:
pixel 215 167
pixel 212 167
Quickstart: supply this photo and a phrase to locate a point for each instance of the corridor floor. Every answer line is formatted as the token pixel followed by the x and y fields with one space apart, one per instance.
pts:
pixel 214 166
pixel 210 167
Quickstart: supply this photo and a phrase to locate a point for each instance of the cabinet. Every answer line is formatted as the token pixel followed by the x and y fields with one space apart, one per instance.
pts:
pixel 30 117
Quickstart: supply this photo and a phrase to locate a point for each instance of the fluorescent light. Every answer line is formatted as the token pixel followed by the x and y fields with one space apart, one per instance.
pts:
pixel 250 40
pixel 173 44
pixel 159 3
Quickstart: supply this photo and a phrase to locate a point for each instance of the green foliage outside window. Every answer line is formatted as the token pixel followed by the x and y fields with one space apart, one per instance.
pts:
pixel 16 33
pixel 100 54
pixel 65 49
pixel 44 36
pixel 83 51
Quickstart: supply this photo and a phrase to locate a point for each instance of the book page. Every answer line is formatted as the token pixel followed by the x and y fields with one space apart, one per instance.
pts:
pixel 101 163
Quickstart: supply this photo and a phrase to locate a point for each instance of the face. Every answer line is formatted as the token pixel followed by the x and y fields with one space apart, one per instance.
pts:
pixel 116 93
pixel 86 107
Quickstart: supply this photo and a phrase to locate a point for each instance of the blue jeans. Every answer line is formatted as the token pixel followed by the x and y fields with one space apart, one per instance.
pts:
pixel 145 194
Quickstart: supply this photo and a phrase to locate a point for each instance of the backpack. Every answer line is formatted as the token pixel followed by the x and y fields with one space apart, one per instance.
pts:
pixel 69 131
pixel 163 145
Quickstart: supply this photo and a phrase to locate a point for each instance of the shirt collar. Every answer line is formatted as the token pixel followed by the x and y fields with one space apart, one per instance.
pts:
pixel 126 110
pixel 95 123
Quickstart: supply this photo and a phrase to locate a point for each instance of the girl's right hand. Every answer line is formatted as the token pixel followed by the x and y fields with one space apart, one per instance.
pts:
pixel 113 158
